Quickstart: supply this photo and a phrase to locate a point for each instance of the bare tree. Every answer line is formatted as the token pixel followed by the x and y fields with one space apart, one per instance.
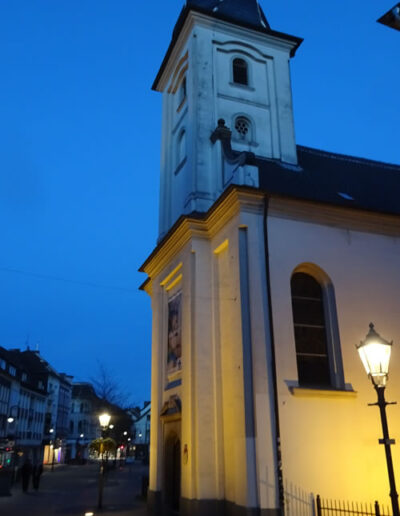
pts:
pixel 107 386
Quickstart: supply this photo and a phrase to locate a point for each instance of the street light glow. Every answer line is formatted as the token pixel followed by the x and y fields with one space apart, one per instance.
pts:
pixel 375 353
pixel 10 420
pixel 104 420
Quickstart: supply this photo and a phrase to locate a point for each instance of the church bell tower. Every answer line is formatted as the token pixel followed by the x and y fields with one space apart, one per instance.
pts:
pixel 224 63
pixel 227 107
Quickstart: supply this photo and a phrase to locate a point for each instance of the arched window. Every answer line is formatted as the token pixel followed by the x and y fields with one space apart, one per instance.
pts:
pixel 181 147
pixel 243 129
pixel 313 360
pixel 182 91
pixel 240 72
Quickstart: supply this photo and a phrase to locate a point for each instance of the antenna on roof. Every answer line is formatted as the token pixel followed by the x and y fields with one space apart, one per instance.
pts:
pixel 37 346
pixel 27 342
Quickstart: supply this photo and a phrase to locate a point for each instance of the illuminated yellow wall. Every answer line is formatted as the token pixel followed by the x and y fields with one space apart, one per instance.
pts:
pixel 329 440
pixel 330 444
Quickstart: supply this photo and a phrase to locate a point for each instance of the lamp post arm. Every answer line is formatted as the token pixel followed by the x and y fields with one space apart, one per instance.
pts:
pixel 387 442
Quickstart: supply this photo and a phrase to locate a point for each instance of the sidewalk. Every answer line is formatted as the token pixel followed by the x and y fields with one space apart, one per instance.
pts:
pixel 73 491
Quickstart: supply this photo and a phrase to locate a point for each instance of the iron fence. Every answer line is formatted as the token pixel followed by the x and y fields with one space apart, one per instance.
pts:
pixel 342 508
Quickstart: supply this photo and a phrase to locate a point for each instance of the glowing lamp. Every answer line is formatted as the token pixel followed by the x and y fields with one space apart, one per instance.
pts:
pixel 375 352
pixel 82 436
pixel 104 420
pixel 10 420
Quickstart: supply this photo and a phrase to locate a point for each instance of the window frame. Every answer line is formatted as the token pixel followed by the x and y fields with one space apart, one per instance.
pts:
pixel 335 360
pixel 234 82
pixel 181 148
pixel 249 136
pixel 181 93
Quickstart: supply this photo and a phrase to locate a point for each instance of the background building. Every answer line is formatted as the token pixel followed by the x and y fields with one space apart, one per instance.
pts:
pixel 83 421
pixel 141 432
pixel 23 409
pixel 58 388
pixel 84 424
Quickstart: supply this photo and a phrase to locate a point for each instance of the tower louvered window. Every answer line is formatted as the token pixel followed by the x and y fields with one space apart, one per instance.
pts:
pixel 240 72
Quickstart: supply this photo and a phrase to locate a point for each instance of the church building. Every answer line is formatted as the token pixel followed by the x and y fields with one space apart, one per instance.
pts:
pixel 272 260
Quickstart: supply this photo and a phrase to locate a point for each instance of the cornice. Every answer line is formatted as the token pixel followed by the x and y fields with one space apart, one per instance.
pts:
pixel 335 216
pixel 233 201
pixel 237 200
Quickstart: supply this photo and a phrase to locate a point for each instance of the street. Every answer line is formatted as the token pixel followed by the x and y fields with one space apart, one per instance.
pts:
pixel 73 491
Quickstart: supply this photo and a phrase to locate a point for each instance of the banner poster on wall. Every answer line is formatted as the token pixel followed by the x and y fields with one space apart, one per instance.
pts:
pixel 174 356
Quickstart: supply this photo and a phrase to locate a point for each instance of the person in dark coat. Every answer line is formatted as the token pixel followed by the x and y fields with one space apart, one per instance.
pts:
pixel 36 473
pixel 26 472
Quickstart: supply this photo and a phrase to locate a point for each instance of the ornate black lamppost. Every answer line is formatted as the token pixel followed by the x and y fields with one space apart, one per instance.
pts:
pixel 375 355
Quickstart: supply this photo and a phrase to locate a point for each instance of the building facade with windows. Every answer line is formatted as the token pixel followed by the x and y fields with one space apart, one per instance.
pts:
pixel 141 431
pixel 58 389
pixel 83 420
pixel 23 408
pixel 272 259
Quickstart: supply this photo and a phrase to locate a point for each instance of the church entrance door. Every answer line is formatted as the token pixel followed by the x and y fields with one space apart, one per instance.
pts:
pixel 172 474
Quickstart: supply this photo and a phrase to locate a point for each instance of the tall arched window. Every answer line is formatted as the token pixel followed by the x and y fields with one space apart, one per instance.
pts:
pixel 182 91
pixel 313 360
pixel 240 72
pixel 181 147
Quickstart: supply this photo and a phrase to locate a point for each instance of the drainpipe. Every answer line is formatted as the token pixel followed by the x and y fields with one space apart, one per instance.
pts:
pixel 273 365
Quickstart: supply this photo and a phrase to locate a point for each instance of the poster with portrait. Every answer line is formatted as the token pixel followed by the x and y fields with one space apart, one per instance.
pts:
pixel 174 355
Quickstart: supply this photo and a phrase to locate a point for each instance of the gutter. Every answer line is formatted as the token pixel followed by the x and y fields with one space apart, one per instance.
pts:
pixel 278 452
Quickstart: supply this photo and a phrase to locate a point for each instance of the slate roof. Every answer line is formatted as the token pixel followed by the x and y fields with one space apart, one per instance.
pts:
pixel 246 13
pixel 334 179
pixel 83 390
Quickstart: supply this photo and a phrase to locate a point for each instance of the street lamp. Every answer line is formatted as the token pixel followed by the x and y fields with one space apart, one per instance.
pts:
pixel 375 355
pixel 52 446
pixel 13 420
pixel 104 420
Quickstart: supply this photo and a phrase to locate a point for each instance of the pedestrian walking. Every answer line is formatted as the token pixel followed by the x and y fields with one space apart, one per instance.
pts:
pixel 26 472
pixel 36 474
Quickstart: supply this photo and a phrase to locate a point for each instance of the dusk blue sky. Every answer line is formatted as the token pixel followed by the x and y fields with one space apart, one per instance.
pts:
pixel 79 157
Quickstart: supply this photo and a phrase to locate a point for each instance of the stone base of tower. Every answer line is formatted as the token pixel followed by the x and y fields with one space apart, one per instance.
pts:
pixel 204 508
